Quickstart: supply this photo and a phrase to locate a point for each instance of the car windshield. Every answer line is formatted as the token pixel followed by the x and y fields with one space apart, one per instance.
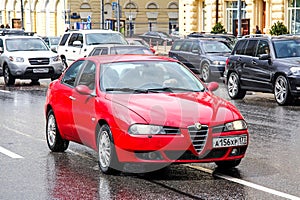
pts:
pixel 105 38
pixel 26 44
pixel 287 48
pixel 54 41
pixel 215 47
pixel 148 77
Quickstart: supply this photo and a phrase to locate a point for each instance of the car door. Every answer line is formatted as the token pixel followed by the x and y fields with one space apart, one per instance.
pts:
pixel 262 68
pixel 246 71
pixel 64 100
pixel 83 108
pixel 74 47
pixel 184 54
pixel 194 57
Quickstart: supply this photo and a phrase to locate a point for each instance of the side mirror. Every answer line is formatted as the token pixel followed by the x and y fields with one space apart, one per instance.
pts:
pixel 83 89
pixel 1 49
pixel 77 43
pixel 54 49
pixel 212 86
pixel 264 57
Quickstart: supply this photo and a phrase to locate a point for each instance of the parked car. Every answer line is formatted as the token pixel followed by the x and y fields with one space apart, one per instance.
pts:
pixel 27 57
pixel 119 49
pixel 154 37
pixel 140 41
pixel 203 56
pixel 77 44
pixel 265 64
pixel 52 42
pixel 142 109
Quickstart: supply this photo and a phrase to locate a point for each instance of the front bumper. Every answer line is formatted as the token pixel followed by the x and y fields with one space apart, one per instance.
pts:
pixel 294 85
pixel 175 148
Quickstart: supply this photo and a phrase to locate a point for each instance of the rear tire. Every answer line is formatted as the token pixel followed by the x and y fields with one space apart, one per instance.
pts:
pixel 234 88
pixel 9 79
pixel 54 139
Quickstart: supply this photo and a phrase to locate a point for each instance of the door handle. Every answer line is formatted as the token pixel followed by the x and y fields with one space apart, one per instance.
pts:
pixel 72 98
pixel 239 59
pixel 253 62
pixel 74 51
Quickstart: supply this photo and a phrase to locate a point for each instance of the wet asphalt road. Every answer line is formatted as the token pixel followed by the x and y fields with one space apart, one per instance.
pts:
pixel 270 170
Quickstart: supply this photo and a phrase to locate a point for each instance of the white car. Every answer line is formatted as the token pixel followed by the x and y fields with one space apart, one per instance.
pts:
pixel 27 57
pixel 77 44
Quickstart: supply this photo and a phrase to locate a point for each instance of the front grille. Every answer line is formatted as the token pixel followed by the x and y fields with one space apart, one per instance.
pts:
pixel 171 130
pixel 198 137
pixel 39 61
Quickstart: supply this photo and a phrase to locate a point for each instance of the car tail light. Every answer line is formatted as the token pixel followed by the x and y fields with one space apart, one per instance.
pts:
pixel 227 63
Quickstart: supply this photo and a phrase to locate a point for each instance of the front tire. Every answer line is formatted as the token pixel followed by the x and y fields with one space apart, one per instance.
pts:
pixel 234 88
pixel 108 161
pixel 228 164
pixel 54 139
pixel 281 91
pixel 9 79
pixel 205 72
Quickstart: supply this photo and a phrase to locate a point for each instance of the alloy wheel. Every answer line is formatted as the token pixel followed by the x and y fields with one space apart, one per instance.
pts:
pixel 104 149
pixel 232 85
pixel 205 72
pixel 51 130
pixel 281 90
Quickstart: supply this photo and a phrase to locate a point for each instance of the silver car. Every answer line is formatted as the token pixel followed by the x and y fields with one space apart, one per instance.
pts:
pixel 27 57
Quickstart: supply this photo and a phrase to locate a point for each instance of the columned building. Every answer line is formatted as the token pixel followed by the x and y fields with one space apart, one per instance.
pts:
pixel 53 17
pixel 202 15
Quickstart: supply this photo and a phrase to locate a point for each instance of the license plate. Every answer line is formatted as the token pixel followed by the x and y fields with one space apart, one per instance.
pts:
pixel 230 141
pixel 40 70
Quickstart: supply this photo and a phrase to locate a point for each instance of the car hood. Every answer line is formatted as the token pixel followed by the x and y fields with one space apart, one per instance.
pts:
pixel 32 54
pixel 291 60
pixel 218 56
pixel 178 110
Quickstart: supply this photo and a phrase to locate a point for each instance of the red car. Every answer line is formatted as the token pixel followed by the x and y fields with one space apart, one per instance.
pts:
pixel 142 109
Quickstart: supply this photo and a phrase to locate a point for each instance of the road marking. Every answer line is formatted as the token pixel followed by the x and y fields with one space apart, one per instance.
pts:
pixel 9 153
pixel 245 183
pixel 5 91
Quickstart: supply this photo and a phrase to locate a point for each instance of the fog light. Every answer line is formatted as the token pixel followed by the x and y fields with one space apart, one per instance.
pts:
pixel 235 152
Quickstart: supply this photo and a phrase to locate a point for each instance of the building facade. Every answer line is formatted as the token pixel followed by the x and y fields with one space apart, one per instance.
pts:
pixel 53 17
pixel 202 15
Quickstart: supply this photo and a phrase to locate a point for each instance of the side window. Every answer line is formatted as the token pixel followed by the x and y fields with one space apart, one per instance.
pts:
pixel 87 76
pixel 72 39
pixel 195 47
pixel 104 51
pixel 64 39
pixel 262 48
pixel 1 43
pixel 240 47
pixel 251 48
pixel 71 73
pixel 186 46
pixel 176 46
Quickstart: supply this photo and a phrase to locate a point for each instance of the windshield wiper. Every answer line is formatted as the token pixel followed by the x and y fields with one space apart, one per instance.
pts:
pixel 171 89
pixel 135 90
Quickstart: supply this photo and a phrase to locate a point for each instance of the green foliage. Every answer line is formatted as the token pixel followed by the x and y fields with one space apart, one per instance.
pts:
pixel 218 28
pixel 278 28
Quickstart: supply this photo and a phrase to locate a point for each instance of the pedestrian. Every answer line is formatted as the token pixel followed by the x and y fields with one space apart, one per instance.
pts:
pixel 257 30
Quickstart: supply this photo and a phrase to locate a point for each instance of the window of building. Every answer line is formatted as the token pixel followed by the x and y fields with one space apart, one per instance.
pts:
pixel 152 6
pixel 204 12
pixel 232 12
pixel 294 16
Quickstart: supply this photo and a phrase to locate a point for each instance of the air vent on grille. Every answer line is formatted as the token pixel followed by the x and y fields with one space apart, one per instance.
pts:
pixel 198 137
pixel 39 61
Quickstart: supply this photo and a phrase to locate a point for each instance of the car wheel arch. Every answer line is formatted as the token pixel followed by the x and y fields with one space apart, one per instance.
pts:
pixel 100 123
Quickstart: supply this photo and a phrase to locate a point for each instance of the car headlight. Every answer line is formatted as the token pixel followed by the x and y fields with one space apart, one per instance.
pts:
pixel 235 125
pixel 145 129
pixel 16 59
pixel 295 70
pixel 216 62
pixel 56 58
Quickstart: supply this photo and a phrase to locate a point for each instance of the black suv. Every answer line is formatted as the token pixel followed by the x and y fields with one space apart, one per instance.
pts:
pixel 204 56
pixel 265 64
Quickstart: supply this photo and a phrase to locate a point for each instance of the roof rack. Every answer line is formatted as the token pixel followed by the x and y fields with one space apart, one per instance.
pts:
pixel 255 35
pixel 5 31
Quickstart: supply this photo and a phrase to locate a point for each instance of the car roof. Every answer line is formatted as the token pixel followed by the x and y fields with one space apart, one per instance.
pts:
pixel 102 59
pixel 93 31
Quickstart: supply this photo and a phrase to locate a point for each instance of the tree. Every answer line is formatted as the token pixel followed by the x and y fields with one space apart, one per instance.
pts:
pixel 278 28
pixel 218 28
